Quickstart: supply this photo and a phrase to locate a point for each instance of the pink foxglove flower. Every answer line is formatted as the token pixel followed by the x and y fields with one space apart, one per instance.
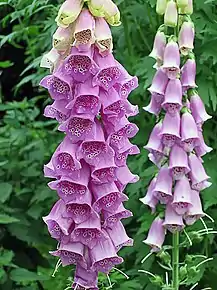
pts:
pixel 198 109
pixel 195 212
pixel 84 31
pixel 103 36
pixel 182 200
pixel 156 235
pixel 159 46
pixel 171 63
pixel 178 162
pixel 188 75
pixel 186 37
pixel 163 186
pixel 159 83
pixel 89 168
pixel 173 222
pixel 173 97
pixel 189 132
pixel 150 199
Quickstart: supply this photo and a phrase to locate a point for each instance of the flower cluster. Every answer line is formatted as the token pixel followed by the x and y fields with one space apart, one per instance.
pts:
pixel 90 90
pixel 176 144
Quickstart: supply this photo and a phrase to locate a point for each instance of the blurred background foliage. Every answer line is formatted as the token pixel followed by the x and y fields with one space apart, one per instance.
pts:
pixel 27 141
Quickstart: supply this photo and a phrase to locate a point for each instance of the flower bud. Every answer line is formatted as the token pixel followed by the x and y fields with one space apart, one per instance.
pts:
pixel 68 12
pixel 189 8
pixel 182 3
pixel 96 7
pixel 157 280
pixel 161 7
pixel 171 14
pixel 112 13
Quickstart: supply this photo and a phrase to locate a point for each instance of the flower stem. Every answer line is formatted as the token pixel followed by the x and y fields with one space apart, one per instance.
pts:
pixel 175 261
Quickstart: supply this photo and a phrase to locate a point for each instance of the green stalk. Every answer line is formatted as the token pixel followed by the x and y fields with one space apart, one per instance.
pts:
pixel 175 258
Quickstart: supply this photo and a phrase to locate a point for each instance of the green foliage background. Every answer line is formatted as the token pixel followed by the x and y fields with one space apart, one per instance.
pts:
pixel 27 141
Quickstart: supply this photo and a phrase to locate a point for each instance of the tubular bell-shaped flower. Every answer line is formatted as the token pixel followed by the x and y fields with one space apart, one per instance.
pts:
pixel 186 37
pixel 173 97
pixel 163 186
pixel 171 59
pixel 171 14
pixel 156 235
pixel 103 36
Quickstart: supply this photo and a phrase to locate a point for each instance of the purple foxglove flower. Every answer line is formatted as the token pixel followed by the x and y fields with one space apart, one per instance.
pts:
pixel 125 176
pixel 57 111
pixel 51 60
pixel 170 132
pixel 201 148
pixel 84 31
pixel 189 132
pixel 178 162
pixel 62 38
pixel 70 253
pixel 112 14
pixel 186 37
pixel 171 14
pixel 188 75
pixel 119 236
pixel 155 145
pixel 182 200
pixel 59 228
pixel 171 60
pixel 59 86
pixel 112 218
pixel 155 159
pixel 109 72
pixel 159 47
pixel 198 109
pixel 163 186
pixel 86 99
pixel 79 210
pixel 85 279
pixel 78 127
pixel 189 8
pixel 103 36
pixel 198 174
pixel 154 107
pixel 68 12
pixel 122 154
pixel 89 233
pixel 195 212
pixel 64 159
pixel 114 108
pixel 123 129
pixel 126 83
pixel 150 200
pixel 159 84
pixel 95 150
pixel 107 197
pixel 49 170
pixel 80 65
pixel 73 187
pixel 156 235
pixel 104 171
pixel 173 222
pixel 161 7
pixel 173 97
pixel 104 256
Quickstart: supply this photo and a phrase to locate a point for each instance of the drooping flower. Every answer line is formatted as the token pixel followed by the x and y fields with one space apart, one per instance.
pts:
pixel 103 37
pixel 195 212
pixel 198 109
pixel 85 279
pixel 186 37
pixel 159 46
pixel 173 222
pixel 150 199
pixel 171 61
pixel 173 97
pixel 163 186
pixel 189 132
pixel 84 31
pixel 156 235
pixel 161 6
pixel 51 60
pixel 62 39
pixel 110 219
pixel 188 75
pixel 178 162
pixel 182 200
pixel 159 84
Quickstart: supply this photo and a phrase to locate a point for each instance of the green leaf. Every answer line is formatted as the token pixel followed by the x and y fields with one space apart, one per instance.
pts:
pixel 23 275
pixel 6 64
pixel 6 219
pixel 6 257
pixel 5 191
